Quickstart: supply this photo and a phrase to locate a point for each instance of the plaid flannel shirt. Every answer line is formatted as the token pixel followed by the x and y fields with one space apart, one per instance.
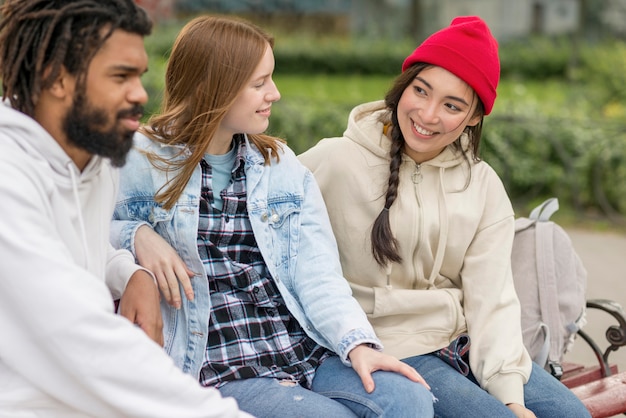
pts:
pixel 251 331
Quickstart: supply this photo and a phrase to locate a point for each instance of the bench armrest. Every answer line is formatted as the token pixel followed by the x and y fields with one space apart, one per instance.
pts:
pixel 615 334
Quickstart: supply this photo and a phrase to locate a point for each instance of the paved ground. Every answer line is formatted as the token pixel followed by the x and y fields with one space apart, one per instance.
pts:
pixel 604 256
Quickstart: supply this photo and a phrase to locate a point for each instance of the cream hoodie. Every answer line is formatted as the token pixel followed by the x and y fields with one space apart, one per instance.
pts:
pixel 63 352
pixel 455 240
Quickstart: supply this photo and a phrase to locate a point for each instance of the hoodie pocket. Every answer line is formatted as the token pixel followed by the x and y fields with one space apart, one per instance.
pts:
pixel 408 311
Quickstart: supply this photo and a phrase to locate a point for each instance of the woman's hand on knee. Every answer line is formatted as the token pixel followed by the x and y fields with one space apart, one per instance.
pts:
pixel 520 411
pixel 365 361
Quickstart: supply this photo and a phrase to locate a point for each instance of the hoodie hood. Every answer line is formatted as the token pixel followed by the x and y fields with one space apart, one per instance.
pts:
pixel 34 140
pixel 78 201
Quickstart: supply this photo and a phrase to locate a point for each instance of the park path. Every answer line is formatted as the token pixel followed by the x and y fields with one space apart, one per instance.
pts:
pixel 604 257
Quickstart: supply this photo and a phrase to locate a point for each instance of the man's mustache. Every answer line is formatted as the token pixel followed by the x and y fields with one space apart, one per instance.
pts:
pixel 134 112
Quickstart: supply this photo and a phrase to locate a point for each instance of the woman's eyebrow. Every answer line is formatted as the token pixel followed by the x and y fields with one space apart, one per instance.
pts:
pixel 455 98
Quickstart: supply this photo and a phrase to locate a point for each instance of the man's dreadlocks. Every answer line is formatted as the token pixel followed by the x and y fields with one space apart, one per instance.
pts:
pixel 39 37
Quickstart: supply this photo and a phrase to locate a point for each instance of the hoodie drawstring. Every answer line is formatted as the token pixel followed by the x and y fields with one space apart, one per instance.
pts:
pixel 81 222
pixel 443 231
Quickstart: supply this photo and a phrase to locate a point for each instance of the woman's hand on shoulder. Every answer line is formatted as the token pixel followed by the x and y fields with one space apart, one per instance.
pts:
pixel 365 361
pixel 158 256
pixel 520 411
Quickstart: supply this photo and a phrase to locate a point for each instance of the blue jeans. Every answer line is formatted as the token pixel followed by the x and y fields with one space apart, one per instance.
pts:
pixel 461 396
pixel 337 392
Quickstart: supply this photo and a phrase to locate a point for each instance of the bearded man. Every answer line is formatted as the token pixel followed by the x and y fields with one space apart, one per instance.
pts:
pixel 72 99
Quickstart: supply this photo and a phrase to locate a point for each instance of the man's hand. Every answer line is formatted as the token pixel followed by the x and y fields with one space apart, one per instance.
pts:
pixel 140 304
pixel 520 411
pixel 158 256
pixel 366 360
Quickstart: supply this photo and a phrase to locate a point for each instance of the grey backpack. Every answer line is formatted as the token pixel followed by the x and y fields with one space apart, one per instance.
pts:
pixel 551 282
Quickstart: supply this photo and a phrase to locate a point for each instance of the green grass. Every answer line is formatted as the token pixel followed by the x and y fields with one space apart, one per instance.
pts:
pixel 313 107
pixel 554 98
pixel 335 89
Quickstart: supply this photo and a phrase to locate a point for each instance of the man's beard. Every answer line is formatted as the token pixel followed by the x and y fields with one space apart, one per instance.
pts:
pixel 83 127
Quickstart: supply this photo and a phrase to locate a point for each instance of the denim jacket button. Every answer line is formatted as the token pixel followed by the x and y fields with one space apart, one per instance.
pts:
pixel 275 218
pixel 264 217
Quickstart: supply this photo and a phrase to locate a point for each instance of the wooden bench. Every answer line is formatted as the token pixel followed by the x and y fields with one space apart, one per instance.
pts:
pixel 601 387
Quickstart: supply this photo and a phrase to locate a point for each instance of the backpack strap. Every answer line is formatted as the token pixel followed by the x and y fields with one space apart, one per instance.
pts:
pixel 546 278
pixel 544 353
pixel 543 212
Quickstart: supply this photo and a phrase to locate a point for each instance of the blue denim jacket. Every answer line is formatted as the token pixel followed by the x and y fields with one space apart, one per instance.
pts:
pixel 293 232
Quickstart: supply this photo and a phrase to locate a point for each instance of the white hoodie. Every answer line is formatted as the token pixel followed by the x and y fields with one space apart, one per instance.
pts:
pixel 63 352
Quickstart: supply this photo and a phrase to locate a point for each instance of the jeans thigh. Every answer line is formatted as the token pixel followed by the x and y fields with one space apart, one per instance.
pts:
pixel 456 395
pixel 270 398
pixel 394 395
pixel 549 398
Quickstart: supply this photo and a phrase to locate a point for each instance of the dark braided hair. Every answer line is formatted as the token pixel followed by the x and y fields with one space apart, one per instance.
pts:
pixel 39 37
pixel 384 245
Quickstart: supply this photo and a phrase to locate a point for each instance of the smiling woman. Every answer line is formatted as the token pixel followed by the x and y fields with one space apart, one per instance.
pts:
pixel 434 227
pixel 433 112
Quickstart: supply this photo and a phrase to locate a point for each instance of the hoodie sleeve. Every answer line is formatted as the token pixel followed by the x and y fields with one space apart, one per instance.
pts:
pixel 59 332
pixel 497 357
pixel 120 267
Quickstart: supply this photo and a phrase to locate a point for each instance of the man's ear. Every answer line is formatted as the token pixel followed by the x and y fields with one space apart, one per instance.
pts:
pixel 63 85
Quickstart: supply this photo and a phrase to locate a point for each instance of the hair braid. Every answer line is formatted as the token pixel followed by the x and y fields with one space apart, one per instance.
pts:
pixel 385 247
pixel 39 37
pixel 384 244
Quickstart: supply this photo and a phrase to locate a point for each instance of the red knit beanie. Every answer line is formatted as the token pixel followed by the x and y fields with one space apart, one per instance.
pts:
pixel 468 50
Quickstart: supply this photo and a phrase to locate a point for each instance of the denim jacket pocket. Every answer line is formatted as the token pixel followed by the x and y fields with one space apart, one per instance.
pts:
pixel 144 210
pixel 283 219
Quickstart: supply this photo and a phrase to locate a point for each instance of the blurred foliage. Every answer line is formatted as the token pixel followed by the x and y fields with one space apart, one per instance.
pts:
pixel 605 67
pixel 316 106
pixel 558 127
pixel 340 56
pixel 536 57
